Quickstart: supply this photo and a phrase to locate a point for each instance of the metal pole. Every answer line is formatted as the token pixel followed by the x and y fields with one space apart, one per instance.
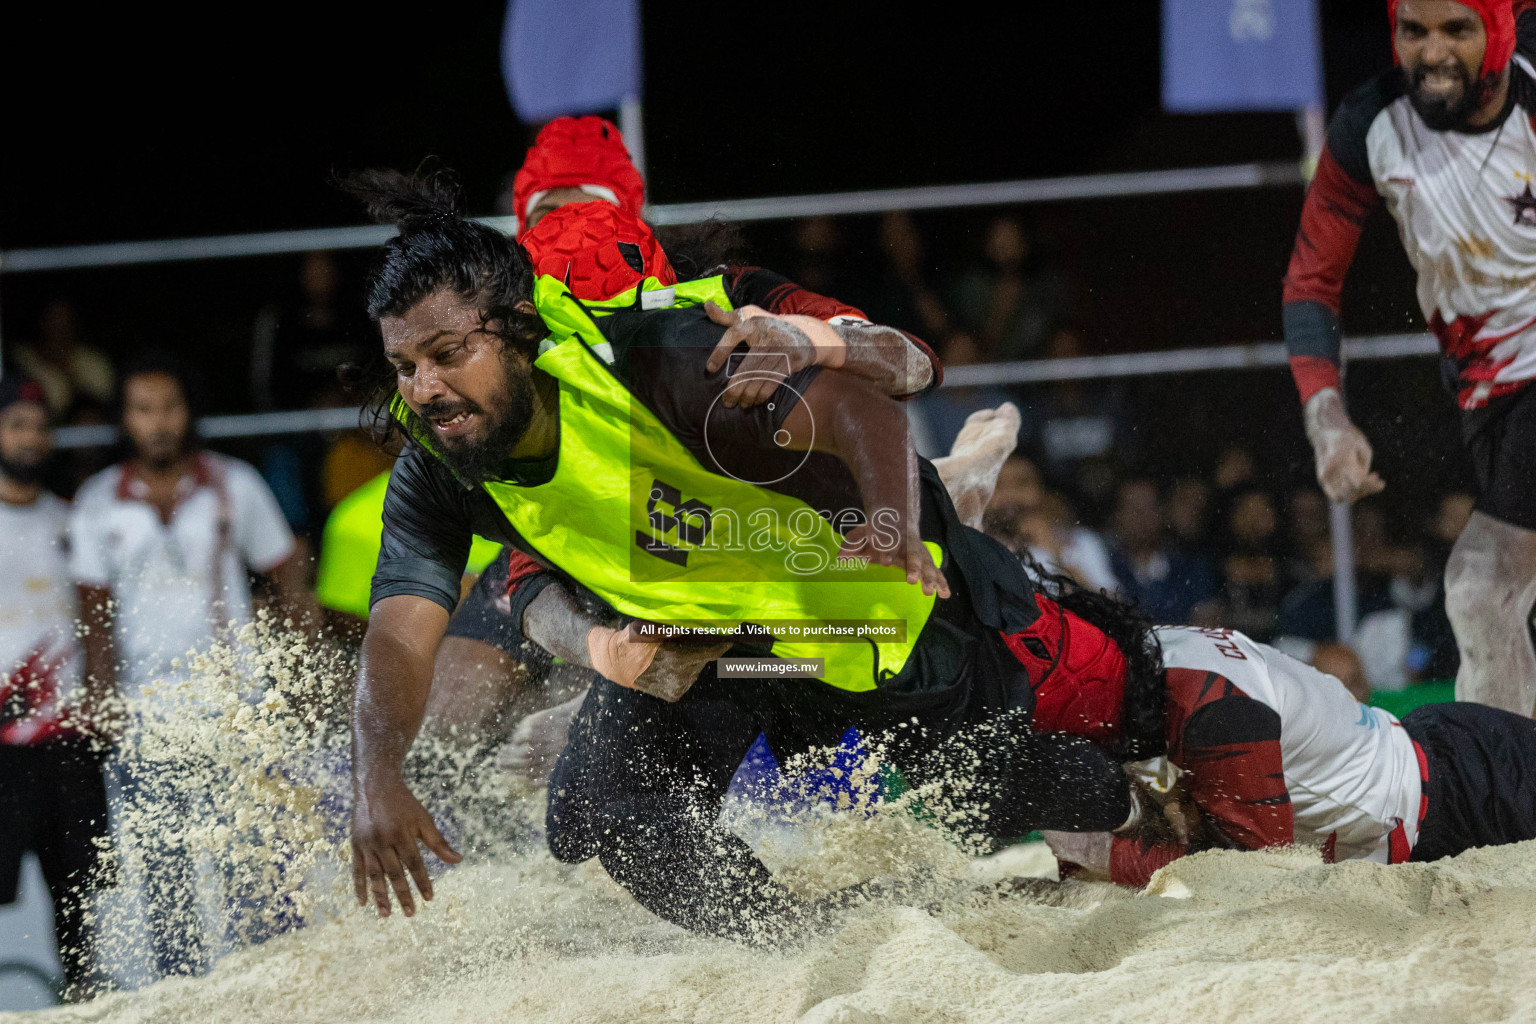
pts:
pixel 633 132
pixel 997 193
pixel 1345 606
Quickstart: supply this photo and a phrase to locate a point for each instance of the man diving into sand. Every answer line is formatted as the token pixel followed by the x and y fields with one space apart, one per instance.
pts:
pixel 603 449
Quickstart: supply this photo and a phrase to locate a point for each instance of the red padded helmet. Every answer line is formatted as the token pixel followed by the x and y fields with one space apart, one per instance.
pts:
pixel 572 152
pixel 1498 21
pixel 597 249
pixel 1077 672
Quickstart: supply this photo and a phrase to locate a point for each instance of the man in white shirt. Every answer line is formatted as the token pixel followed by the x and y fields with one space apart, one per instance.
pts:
pixel 53 801
pixel 162 543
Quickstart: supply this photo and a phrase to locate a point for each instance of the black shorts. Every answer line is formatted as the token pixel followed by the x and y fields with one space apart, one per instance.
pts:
pixel 1501 437
pixel 485 613
pixel 1482 777
pixel 53 802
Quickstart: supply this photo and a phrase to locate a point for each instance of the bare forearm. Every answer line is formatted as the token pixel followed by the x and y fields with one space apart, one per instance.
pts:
pixel 394 680
pixel 885 357
pixel 869 434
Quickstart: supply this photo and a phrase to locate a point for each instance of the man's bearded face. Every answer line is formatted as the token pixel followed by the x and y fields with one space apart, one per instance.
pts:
pixel 473 393
pixel 478 455
pixel 1444 96
pixel 25 442
pixel 1440 45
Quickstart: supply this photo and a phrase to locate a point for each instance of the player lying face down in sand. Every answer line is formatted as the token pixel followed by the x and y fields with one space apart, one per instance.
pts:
pixel 600 448
pixel 1249 748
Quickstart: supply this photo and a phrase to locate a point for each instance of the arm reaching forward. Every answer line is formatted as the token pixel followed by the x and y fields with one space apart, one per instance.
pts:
pixel 393 680
pixel 883 356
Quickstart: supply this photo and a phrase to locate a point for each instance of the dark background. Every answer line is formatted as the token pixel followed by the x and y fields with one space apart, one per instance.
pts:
pixel 126 125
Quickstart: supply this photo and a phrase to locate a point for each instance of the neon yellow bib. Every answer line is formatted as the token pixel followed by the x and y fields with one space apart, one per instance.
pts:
pixel 632 515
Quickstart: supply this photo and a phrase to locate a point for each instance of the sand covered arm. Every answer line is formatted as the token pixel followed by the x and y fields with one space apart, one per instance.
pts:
pixel 895 361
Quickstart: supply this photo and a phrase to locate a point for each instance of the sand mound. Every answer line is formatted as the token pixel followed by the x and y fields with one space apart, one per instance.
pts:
pixel 515 936
pixel 1218 937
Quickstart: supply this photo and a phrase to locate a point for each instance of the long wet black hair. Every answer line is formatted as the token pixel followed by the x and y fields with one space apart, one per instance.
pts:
pixel 1144 712
pixel 438 248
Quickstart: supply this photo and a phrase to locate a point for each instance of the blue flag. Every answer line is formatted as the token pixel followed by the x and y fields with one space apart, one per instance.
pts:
pixel 1240 55
pixel 563 57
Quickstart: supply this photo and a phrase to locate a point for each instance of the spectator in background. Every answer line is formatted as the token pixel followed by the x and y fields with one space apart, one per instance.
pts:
pixel 1024 516
pixel 298 349
pixel 1234 473
pixel 1234 468
pixel 1306 526
pixel 162 543
pixel 1306 613
pixel 53 800
pixel 820 262
pixel 76 378
pixel 1251 577
pixel 904 298
pixel 1080 421
pixel 1170 584
pixel 1189 513
pixel 298 346
pixel 1012 303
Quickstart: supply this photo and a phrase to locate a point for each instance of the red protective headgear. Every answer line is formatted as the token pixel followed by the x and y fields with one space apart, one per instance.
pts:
pixel 574 151
pixel 1077 672
pixel 1499 23
pixel 597 249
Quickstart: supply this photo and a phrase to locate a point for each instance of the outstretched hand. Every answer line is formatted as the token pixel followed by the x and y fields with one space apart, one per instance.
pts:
pixel 388 824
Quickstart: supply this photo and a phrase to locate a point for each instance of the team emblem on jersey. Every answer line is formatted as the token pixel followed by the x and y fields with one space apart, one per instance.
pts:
pixel 1525 207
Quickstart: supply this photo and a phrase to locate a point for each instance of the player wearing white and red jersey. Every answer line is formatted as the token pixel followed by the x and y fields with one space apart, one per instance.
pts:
pixel 53 800
pixel 1276 753
pixel 162 548
pixel 1269 751
pixel 1447 143
pixel 39 656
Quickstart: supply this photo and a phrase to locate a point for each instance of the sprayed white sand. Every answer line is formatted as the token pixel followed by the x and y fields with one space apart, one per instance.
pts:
pixel 516 937
pixel 1219 937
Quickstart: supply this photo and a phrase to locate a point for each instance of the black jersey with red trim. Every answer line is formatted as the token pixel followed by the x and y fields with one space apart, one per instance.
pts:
pixel 1465 205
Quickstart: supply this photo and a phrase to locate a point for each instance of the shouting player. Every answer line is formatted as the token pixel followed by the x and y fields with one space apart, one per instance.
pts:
pixel 1446 142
